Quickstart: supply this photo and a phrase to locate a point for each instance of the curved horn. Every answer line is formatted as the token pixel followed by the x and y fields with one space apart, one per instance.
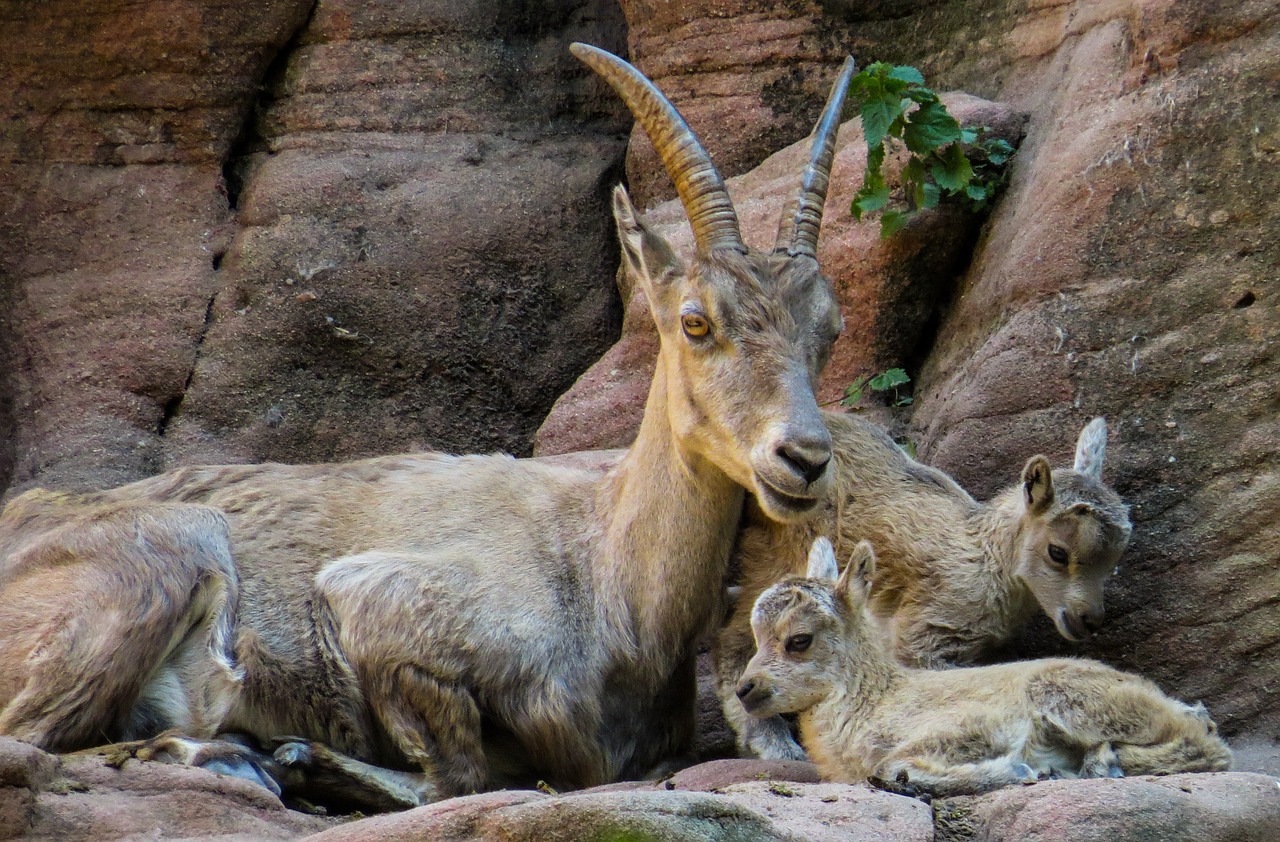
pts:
pixel 802 217
pixel 702 192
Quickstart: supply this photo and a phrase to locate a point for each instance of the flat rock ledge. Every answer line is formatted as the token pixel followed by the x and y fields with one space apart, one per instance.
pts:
pixel 81 798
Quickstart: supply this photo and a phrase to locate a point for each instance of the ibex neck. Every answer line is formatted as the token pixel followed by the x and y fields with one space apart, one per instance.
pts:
pixel 1000 528
pixel 670 517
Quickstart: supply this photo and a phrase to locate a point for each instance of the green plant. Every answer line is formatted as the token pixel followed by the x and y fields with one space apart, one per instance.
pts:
pixel 888 380
pixel 944 160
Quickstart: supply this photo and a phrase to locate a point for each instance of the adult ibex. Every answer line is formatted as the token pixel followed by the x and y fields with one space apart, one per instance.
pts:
pixel 477 620
pixel 949 732
pixel 957 577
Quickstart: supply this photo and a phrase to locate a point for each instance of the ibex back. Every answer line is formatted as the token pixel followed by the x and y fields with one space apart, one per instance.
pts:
pixel 479 620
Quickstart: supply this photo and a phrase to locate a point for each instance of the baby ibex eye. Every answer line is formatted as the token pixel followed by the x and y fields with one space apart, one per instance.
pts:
pixel 1057 554
pixel 799 642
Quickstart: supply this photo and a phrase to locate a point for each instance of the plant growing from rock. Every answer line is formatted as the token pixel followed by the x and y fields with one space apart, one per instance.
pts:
pixel 945 161
pixel 887 381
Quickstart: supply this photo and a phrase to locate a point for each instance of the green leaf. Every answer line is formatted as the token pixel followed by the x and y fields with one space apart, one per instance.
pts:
pixel 932 194
pixel 853 392
pixel 888 379
pixel 929 127
pixel 905 400
pixel 968 135
pixel 953 171
pixel 877 114
pixel 869 201
pixel 891 222
pixel 998 151
pixel 906 73
pixel 979 192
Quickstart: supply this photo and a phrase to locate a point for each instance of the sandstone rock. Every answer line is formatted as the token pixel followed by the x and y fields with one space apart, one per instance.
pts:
pixel 1223 807
pixel 890 291
pixel 729 800
pixel 81 798
pixel 241 233
pixel 750 76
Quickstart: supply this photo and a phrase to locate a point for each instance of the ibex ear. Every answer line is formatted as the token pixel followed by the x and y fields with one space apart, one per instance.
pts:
pixel 1091 448
pixel 822 561
pixel 1037 485
pixel 650 261
pixel 858 573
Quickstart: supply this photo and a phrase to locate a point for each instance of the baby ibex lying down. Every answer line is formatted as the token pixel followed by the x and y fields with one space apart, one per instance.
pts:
pixel 862 714
pixel 957 577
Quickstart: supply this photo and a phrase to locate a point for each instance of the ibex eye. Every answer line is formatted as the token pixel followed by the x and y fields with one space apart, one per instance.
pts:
pixel 1057 554
pixel 799 642
pixel 695 325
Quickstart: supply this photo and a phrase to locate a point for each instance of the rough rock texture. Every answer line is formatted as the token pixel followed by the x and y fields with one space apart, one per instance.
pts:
pixel 757 70
pixel 295 230
pixel 1130 271
pixel 908 276
pixel 1179 808
pixel 81 798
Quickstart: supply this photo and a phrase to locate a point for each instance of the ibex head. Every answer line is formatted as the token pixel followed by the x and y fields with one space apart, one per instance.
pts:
pixel 743 333
pixel 806 630
pixel 1074 529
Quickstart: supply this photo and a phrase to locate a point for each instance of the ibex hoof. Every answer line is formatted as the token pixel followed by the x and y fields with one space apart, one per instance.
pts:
pixel 1114 771
pixel 295 752
pixel 1025 773
pixel 238 767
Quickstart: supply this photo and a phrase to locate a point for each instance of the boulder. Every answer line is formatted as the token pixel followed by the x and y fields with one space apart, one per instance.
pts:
pixel 82 798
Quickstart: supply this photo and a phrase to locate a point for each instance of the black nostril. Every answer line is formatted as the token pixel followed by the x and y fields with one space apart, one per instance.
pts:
pixel 802 465
pixel 1093 622
pixel 745 689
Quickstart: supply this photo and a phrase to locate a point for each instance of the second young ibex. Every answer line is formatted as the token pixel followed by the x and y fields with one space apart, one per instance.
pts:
pixel 957 577
pixel 950 732
pixel 480 620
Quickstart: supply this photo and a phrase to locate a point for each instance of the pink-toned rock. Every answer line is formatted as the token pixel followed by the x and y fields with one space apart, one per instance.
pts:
pixel 248 232
pixel 1222 807
pixel 751 76
pixel 82 798
pixel 758 810
pixel 907 276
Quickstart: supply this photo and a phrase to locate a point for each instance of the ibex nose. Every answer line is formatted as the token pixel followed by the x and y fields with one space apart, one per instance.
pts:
pixel 744 689
pixel 809 459
pixel 1093 618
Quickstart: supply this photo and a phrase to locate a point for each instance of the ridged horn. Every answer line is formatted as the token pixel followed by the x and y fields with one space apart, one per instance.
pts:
pixel 802 217
pixel 702 191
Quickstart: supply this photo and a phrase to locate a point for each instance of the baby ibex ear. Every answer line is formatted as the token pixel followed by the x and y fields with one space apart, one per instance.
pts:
pixel 650 261
pixel 1091 448
pixel 1037 485
pixel 822 561
pixel 858 573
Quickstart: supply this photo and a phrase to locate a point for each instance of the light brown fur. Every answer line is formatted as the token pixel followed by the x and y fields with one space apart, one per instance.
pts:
pixel 957 577
pixel 949 732
pixel 477 620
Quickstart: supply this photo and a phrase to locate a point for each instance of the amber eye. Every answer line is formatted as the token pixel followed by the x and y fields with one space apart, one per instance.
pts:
pixel 799 642
pixel 695 325
pixel 1057 554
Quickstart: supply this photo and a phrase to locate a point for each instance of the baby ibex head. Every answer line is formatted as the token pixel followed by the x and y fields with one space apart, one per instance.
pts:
pixel 743 333
pixel 808 631
pixel 1074 529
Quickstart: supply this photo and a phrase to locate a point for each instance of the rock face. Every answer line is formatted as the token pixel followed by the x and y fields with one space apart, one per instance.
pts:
pixel 296 231
pixel 1129 271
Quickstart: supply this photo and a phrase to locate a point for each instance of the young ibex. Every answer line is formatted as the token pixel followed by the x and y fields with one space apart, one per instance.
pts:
pixel 957 577
pixel 948 732
pixel 478 620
